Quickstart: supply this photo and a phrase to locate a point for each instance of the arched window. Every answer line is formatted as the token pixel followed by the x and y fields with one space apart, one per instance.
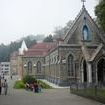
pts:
pixel 38 67
pixel 29 67
pixel 86 34
pixel 70 65
pixel 85 71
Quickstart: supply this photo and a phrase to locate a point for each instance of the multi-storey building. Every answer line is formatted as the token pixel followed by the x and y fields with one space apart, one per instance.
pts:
pixel 5 68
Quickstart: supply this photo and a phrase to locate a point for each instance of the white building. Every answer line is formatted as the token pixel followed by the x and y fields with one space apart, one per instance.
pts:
pixel 5 68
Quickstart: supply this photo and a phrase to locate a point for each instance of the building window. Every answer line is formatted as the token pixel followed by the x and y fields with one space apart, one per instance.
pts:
pixel 29 67
pixel 86 34
pixel 38 67
pixel 70 65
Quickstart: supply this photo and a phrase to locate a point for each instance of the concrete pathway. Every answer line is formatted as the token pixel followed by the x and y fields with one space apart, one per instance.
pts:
pixel 58 96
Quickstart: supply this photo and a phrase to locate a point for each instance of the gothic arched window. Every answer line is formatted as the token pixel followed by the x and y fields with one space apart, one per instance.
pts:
pixel 86 34
pixel 70 65
pixel 38 67
pixel 29 67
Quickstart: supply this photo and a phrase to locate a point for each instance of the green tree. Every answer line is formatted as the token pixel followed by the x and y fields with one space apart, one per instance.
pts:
pixel 29 41
pixel 6 50
pixel 60 32
pixel 4 55
pixel 48 39
pixel 100 13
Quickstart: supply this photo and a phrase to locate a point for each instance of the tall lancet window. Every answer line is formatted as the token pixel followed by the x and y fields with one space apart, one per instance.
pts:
pixel 38 67
pixel 70 65
pixel 86 34
pixel 29 67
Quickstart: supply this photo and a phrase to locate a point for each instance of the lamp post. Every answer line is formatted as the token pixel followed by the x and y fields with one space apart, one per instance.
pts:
pixel 34 65
pixel 25 66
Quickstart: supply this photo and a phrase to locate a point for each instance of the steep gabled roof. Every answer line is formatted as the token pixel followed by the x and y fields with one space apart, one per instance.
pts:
pixel 91 57
pixel 75 25
pixel 96 52
pixel 23 48
pixel 74 22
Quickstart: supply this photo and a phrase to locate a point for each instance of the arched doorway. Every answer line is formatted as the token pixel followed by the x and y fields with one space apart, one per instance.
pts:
pixel 101 70
pixel 85 71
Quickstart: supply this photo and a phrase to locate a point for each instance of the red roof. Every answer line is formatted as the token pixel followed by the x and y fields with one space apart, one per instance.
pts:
pixel 40 49
pixel 44 45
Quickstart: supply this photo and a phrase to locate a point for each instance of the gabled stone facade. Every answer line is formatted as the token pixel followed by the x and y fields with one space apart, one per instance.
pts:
pixel 79 57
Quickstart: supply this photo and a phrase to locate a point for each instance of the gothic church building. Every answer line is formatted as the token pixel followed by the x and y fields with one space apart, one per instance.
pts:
pixel 78 57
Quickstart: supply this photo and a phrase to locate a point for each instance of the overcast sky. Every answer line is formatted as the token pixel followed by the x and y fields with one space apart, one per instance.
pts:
pixel 19 18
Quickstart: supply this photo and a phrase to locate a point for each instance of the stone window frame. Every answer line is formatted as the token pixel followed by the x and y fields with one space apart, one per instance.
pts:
pixel 39 71
pixel 89 31
pixel 73 66
pixel 29 64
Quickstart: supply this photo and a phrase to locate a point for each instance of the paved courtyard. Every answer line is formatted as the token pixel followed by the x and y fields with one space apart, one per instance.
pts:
pixel 59 96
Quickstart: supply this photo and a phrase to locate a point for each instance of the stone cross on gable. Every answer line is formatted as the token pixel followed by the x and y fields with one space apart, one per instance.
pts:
pixel 83 1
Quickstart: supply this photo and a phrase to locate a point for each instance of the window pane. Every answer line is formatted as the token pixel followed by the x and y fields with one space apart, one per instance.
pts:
pixel 38 67
pixel 70 66
pixel 30 67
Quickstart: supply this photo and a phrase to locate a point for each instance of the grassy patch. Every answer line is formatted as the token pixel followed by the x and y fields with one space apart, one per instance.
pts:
pixel 19 85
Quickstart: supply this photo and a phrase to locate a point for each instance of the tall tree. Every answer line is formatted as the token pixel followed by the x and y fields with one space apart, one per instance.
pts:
pixel 60 32
pixel 29 41
pixel 6 50
pixel 100 13
pixel 48 39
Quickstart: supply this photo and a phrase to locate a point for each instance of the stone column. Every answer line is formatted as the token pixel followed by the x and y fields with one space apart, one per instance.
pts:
pixel 89 66
pixel 82 74
pixel 96 76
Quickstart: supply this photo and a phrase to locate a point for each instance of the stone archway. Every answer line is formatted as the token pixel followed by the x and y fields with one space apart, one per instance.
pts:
pixel 101 71
pixel 85 71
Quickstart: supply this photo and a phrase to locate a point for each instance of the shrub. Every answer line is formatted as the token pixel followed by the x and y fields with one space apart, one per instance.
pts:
pixel 28 79
pixel 19 85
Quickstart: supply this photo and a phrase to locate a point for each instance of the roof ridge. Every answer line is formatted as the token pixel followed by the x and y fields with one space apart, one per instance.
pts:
pixel 96 51
pixel 75 20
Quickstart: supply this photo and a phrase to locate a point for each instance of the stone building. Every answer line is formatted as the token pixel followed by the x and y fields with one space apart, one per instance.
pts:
pixel 13 63
pixel 79 57
pixel 14 59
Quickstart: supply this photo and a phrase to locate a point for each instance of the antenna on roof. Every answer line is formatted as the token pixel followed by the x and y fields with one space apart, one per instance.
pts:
pixel 83 1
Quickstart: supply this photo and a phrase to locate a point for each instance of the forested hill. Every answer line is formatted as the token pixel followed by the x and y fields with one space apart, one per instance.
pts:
pixel 6 50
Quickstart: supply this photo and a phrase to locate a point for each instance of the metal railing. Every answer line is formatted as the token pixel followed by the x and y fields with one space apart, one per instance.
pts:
pixel 93 91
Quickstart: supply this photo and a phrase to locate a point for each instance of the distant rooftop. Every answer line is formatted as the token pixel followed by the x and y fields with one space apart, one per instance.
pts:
pixel 40 49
